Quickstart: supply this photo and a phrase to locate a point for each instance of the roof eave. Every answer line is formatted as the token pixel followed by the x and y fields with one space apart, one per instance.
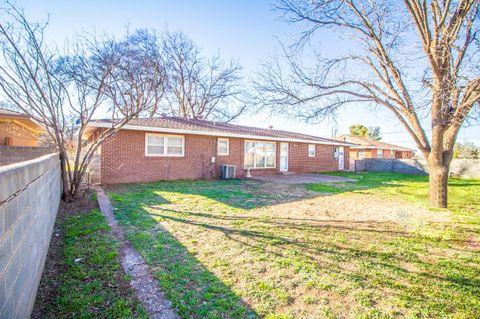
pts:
pixel 222 134
pixel 383 148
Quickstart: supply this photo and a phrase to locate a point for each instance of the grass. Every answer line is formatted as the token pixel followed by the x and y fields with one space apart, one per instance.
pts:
pixel 462 193
pixel 243 249
pixel 91 283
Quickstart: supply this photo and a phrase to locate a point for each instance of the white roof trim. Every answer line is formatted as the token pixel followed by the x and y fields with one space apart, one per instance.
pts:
pixel 221 134
pixel 382 148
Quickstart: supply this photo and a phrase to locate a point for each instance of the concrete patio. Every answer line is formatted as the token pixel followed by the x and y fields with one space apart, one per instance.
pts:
pixel 303 179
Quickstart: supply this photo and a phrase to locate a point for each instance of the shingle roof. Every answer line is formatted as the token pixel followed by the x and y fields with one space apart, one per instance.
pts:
pixel 22 118
pixel 365 141
pixel 11 113
pixel 215 128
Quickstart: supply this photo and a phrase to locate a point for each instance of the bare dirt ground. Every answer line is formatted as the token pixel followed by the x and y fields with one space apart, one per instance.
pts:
pixel 354 207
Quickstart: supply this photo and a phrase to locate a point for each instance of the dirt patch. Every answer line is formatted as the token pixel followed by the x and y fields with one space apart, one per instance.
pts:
pixel 295 202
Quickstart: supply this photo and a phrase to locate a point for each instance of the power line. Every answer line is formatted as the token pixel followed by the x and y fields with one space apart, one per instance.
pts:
pixel 404 132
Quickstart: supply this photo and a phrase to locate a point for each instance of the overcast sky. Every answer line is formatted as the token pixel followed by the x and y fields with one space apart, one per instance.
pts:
pixel 247 31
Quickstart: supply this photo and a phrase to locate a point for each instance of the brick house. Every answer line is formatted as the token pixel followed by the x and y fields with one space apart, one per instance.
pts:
pixel 168 148
pixel 367 148
pixel 18 129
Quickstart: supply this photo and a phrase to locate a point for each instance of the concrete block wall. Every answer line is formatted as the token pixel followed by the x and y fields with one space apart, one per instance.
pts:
pixel 93 170
pixel 15 154
pixel 458 168
pixel 29 198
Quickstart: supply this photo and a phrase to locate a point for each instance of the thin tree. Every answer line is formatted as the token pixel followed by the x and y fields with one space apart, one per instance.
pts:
pixel 358 130
pixel 199 87
pixel 64 92
pixel 414 58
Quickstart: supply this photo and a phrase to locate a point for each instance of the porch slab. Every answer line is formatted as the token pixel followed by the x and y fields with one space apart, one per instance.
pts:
pixel 303 179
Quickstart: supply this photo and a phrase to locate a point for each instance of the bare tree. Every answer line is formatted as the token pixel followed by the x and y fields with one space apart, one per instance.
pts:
pixel 199 87
pixel 64 92
pixel 414 58
pixel 138 81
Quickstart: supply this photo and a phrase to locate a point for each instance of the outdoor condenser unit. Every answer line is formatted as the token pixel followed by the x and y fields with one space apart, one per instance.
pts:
pixel 227 171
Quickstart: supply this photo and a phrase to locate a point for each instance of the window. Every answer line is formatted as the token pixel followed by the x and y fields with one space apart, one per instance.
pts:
pixel 223 146
pixel 164 145
pixel 311 150
pixel 260 155
pixel 379 153
pixel 361 154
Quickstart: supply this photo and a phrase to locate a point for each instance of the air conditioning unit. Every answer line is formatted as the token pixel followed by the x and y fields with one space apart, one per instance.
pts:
pixel 227 171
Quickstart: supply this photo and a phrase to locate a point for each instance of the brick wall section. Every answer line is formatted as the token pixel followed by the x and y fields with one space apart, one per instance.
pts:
pixel 405 155
pixel 16 154
pixel 123 159
pixel 323 161
pixel 372 153
pixel 18 135
pixel 29 199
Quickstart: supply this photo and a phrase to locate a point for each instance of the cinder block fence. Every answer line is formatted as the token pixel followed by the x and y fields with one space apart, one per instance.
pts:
pixel 15 154
pixel 458 168
pixel 29 199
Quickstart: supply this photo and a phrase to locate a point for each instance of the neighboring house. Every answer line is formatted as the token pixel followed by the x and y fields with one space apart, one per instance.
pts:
pixel 367 148
pixel 168 148
pixel 18 129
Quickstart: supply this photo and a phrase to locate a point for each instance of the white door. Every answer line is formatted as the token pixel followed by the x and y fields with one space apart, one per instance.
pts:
pixel 283 157
pixel 341 158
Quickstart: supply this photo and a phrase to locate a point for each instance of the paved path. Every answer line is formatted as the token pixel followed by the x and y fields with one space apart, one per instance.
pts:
pixel 146 287
pixel 303 179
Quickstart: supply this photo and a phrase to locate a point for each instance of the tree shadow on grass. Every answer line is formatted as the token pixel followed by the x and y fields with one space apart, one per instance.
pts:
pixel 313 255
pixel 408 265
pixel 243 194
pixel 194 291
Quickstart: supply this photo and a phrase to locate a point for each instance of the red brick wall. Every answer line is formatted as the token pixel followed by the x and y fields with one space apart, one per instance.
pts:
pixel 124 161
pixel 369 153
pixel 322 162
pixel 12 134
pixel 404 154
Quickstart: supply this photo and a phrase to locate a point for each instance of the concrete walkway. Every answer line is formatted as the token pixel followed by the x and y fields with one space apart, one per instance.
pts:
pixel 303 179
pixel 146 287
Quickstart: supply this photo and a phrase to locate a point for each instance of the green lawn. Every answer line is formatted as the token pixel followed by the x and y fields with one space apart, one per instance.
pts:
pixel 89 280
pixel 463 193
pixel 369 249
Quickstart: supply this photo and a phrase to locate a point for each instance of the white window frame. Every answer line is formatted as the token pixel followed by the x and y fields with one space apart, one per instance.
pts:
pixel 314 150
pixel 165 145
pixel 254 155
pixel 363 152
pixel 381 152
pixel 220 139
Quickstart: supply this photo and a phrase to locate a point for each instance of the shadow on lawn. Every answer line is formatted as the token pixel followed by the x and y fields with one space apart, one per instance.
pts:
pixel 276 245
pixel 411 266
pixel 250 194
pixel 194 291
pixel 244 194
pixel 197 293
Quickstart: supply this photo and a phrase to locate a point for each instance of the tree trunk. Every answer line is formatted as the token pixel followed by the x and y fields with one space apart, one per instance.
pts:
pixel 63 168
pixel 438 185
